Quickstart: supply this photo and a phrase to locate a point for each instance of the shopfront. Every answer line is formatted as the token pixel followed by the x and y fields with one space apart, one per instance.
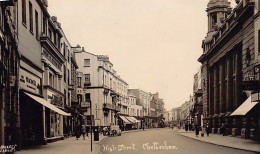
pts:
pixel 30 110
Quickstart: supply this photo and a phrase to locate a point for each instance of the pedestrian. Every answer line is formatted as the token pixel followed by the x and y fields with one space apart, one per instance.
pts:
pixel 186 127
pixel 207 129
pixel 87 130
pixel 77 131
pixel 83 131
pixel 223 128
pixel 197 130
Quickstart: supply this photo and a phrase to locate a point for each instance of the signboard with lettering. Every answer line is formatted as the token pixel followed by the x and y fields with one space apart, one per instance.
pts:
pixel 29 82
pixel 85 104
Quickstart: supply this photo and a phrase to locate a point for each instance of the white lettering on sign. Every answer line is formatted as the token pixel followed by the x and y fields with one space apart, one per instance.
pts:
pixel 28 81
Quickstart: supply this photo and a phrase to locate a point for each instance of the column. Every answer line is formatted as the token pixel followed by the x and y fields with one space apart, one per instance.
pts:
pixel 61 125
pixel 229 87
pixel 221 89
pixel 229 94
pixel 216 91
pixel 46 74
pixel 211 92
pixel 44 123
pixel 238 78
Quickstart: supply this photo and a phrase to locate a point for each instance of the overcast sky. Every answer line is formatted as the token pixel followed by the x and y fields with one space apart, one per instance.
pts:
pixel 153 44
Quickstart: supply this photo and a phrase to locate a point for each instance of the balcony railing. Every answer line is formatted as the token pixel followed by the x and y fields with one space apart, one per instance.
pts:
pixel 108 106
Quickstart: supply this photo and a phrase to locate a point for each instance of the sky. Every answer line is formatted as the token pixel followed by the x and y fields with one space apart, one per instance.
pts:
pixel 153 44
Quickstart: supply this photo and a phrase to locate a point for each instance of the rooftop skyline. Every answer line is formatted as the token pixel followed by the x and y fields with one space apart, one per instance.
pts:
pixel 153 44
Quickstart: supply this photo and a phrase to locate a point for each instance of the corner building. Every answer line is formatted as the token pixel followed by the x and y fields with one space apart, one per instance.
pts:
pixel 230 63
pixel 99 85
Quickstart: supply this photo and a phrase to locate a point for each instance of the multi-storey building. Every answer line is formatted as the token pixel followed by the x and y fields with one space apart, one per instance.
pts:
pixel 40 74
pixel 143 99
pixel 184 113
pixel 9 69
pixel 176 115
pixel 230 67
pixel 100 87
pixel 197 99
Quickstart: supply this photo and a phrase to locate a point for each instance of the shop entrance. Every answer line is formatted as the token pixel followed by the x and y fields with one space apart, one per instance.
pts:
pixel 31 121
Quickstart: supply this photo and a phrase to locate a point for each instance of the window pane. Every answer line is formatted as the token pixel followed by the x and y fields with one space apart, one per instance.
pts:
pixel 87 77
pixel 87 96
pixel 86 62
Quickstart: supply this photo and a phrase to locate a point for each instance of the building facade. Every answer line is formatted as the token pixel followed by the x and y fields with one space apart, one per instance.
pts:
pixel 99 85
pixel 40 74
pixel 9 74
pixel 230 76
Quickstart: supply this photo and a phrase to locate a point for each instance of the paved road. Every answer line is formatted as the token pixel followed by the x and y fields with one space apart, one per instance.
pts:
pixel 160 141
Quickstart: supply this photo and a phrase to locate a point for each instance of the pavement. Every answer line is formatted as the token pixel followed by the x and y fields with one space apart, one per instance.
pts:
pixel 71 145
pixel 67 146
pixel 226 141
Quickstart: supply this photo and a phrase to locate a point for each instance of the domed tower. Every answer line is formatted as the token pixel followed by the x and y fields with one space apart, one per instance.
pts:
pixel 217 13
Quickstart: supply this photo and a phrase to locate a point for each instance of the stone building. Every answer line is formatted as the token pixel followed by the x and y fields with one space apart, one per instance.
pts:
pixel 9 75
pixel 197 108
pixel 230 68
pixel 40 74
pixel 143 99
pixel 101 87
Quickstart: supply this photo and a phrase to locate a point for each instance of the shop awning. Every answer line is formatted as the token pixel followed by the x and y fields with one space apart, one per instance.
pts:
pixel 244 107
pixel 47 104
pixel 131 120
pixel 135 119
pixel 124 119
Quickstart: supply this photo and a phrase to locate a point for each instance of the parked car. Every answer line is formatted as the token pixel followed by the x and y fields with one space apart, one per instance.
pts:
pixel 115 130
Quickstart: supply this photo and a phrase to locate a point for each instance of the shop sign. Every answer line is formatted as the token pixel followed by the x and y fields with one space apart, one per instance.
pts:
pixel 28 81
pixel 85 104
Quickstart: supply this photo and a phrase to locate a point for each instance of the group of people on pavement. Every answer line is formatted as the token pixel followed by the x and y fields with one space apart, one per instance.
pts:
pixel 207 129
pixel 81 130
